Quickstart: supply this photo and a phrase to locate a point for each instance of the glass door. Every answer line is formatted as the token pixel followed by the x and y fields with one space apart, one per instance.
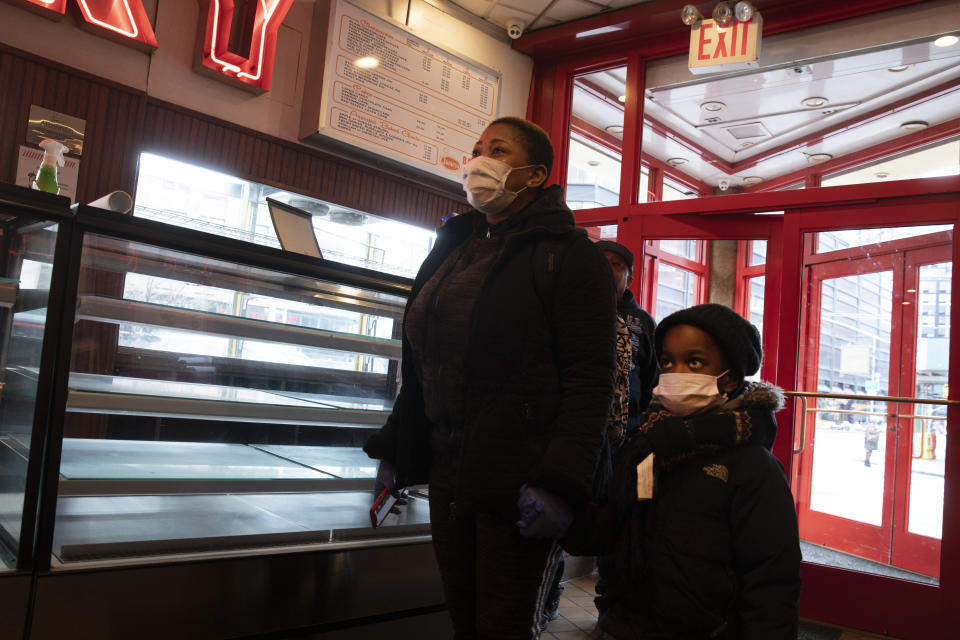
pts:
pixel 868 482
pixel 918 499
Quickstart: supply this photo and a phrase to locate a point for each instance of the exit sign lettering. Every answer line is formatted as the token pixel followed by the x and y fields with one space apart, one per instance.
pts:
pixel 714 48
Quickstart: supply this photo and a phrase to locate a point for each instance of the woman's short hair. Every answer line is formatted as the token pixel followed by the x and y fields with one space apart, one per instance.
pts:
pixel 535 140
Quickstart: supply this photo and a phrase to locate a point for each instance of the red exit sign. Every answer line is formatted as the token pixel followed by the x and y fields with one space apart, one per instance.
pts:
pixel 715 48
pixel 126 21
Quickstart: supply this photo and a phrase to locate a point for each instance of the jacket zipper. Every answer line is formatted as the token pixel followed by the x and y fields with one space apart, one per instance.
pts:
pixel 509 242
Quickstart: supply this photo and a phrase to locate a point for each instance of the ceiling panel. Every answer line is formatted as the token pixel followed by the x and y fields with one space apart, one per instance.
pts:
pixel 565 10
pixel 502 13
pixel 477 7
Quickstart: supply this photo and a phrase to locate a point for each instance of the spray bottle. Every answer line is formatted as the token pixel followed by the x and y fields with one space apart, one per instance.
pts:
pixel 52 158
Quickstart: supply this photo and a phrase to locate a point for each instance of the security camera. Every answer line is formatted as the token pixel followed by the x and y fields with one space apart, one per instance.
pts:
pixel 724 184
pixel 515 28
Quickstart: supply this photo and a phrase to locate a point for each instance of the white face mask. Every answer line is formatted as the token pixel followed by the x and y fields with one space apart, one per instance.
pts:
pixel 684 394
pixel 484 181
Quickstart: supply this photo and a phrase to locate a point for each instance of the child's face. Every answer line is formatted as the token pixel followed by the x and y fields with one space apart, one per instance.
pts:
pixel 687 349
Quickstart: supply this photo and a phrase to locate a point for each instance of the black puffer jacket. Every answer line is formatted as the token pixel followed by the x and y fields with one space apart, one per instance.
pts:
pixel 540 363
pixel 715 553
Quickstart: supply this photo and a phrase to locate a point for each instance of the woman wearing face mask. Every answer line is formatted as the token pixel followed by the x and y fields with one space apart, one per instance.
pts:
pixel 507 376
pixel 700 517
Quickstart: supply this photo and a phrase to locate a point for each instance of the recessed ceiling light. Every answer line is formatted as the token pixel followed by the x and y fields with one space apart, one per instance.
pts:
pixel 676 162
pixel 881 175
pixel 622 98
pixel 752 180
pixel 593 163
pixel 367 62
pixel 814 102
pixel 819 157
pixel 614 128
pixel 946 41
pixel 713 106
pixel 768 213
pixel 900 68
pixel 915 125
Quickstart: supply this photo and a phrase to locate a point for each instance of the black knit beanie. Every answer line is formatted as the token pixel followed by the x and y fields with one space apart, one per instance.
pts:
pixel 737 338
pixel 619 249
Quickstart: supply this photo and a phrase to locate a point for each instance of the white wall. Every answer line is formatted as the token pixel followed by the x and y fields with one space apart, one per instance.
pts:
pixel 168 73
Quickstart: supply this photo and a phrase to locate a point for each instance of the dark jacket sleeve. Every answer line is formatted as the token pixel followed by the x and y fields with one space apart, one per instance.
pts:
pixel 674 438
pixel 382 445
pixel 599 528
pixel 766 549
pixel 583 318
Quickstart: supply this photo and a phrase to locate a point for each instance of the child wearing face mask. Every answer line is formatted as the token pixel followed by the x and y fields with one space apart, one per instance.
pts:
pixel 700 517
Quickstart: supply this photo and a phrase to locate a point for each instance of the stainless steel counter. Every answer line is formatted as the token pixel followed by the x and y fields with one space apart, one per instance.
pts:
pixel 90 527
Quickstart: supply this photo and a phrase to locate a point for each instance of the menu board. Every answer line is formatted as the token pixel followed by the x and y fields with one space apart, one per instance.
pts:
pixel 419 105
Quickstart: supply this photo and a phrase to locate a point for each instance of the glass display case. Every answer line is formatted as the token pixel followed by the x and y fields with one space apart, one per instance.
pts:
pixel 181 420
pixel 29 223
pixel 220 403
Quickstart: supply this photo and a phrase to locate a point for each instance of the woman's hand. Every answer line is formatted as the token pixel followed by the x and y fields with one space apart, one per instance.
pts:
pixel 387 480
pixel 542 514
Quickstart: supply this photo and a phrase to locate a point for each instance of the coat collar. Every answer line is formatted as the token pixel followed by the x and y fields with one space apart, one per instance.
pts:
pixel 548 213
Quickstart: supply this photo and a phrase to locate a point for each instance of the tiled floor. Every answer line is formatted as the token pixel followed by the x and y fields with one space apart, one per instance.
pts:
pixel 578 618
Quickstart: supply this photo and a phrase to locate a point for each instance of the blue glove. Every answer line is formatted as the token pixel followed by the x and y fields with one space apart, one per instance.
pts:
pixel 387 479
pixel 542 514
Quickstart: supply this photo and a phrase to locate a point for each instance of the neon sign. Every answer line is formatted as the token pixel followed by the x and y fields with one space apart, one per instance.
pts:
pixel 124 21
pixel 254 70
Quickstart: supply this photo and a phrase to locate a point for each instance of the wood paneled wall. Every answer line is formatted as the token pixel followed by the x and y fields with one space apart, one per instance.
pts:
pixel 122 122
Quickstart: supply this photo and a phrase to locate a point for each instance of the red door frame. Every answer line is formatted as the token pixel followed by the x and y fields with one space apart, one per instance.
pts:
pixel 882 605
pixel 878 604
pixel 911 550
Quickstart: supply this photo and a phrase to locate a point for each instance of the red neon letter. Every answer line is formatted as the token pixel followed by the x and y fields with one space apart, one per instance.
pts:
pixel 254 70
pixel 703 41
pixel 122 20
pixel 52 9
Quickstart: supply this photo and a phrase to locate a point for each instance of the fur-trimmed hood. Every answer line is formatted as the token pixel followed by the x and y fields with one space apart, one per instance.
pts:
pixel 757 395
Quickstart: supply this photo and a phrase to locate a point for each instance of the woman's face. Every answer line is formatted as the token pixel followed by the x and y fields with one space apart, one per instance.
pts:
pixel 501 142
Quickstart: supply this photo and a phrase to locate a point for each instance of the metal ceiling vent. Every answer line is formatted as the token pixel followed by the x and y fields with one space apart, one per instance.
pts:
pixel 748 131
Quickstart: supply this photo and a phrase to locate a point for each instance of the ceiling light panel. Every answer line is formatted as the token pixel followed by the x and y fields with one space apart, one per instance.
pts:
pixel 749 131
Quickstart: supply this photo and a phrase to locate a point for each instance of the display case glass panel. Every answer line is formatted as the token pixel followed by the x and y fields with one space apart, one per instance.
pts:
pixel 195 197
pixel 24 293
pixel 215 406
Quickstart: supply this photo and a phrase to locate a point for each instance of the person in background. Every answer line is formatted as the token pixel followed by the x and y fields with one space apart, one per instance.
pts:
pixel 704 529
pixel 871 440
pixel 507 377
pixel 643 362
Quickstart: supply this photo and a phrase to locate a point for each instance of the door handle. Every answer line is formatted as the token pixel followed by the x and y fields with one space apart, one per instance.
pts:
pixel 803 425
